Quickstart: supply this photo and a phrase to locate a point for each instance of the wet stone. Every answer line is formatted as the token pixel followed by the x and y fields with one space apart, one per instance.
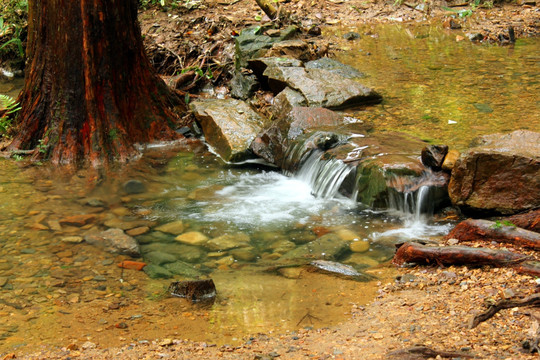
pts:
pixel 159 258
pixel 133 187
pixel 192 238
pixel 138 231
pixel 244 254
pixel 226 242
pixel 115 241
pixel 175 227
pixel 78 220
pixel 72 239
pixel 157 272
pixel 183 269
pixel 3 280
pixel 359 246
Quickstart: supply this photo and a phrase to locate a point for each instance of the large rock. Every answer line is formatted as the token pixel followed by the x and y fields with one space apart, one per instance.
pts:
pixel 115 241
pixel 229 126
pixel 388 169
pixel 320 87
pixel 251 43
pixel 500 174
pixel 272 143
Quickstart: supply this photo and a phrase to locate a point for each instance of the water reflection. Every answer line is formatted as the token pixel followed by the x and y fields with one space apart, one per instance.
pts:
pixel 443 90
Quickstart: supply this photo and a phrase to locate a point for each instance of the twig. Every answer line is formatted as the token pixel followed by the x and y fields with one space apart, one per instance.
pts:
pixel 533 300
pixel 308 316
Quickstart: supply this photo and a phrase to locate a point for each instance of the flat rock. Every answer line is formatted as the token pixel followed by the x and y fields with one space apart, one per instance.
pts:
pixel 334 66
pixel 159 257
pixel 174 227
pixel 500 174
pixel 228 241
pixel 328 247
pixel 229 126
pixel 115 241
pixel 183 269
pixel 77 220
pixel 157 272
pixel 320 87
pixel 192 238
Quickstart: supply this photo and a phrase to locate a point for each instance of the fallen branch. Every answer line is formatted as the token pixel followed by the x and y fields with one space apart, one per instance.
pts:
pixel 455 255
pixel 419 352
pixel 533 300
pixel 505 232
pixel 529 267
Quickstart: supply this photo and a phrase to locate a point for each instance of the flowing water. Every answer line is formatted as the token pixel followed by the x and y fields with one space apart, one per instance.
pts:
pixel 250 229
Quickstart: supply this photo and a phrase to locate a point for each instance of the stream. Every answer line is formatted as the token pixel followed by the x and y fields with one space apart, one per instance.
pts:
pixel 56 290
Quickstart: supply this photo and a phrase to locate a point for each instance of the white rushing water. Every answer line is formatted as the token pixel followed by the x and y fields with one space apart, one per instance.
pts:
pixel 268 198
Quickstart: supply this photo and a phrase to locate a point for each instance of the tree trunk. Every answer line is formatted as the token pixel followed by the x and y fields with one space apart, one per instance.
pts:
pixel 90 93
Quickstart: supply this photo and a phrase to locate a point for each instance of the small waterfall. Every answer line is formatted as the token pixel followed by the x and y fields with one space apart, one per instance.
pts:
pixel 324 176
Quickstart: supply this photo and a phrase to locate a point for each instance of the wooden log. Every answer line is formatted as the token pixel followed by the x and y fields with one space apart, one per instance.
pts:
pixel 533 300
pixel 528 221
pixel 529 267
pixel 455 255
pixel 505 232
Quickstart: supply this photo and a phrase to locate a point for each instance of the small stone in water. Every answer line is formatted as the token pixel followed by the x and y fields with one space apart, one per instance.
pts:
pixel 72 239
pixel 359 246
pixel 133 187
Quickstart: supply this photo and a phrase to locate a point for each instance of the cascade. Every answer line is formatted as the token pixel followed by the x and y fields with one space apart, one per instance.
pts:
pixel 324 176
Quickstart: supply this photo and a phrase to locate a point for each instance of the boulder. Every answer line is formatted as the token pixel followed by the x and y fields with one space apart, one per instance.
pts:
pixel 115 241
pixel 251 43
pixel 272 143
pixel 229 126
pixel 320 87
pixel 500 174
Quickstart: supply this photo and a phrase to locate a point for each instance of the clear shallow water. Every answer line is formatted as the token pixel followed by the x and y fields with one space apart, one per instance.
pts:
pixel 443 90
pixel 57 292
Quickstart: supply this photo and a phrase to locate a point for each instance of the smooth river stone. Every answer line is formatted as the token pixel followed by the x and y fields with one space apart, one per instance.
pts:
pixel 175 227
pixel 226 242
pixel 192 238
pixel 359 246
pixel 347 235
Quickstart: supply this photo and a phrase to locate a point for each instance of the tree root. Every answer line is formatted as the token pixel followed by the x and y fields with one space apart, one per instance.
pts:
pixel 533 300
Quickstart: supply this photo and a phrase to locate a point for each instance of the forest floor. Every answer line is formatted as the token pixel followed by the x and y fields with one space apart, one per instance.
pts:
pixel 424 306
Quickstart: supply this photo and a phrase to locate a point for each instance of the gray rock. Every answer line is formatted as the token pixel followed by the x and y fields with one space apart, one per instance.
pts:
pixel 115 241
pixel 251 43
pixel 243 86
pixel 321 87
pixel 334 66
pixel 133 187
pixel 229 126
pixel 178 251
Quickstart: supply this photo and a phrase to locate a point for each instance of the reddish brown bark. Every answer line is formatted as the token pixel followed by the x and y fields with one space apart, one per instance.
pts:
pixel 90 92
pixel 529 267
pixel 454 255
pixel 474 230
pixel 528 221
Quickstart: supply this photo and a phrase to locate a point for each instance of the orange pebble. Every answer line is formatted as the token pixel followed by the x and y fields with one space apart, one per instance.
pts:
pixel 135 265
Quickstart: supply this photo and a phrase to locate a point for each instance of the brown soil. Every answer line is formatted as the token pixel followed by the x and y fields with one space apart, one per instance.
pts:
pixel 423 306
